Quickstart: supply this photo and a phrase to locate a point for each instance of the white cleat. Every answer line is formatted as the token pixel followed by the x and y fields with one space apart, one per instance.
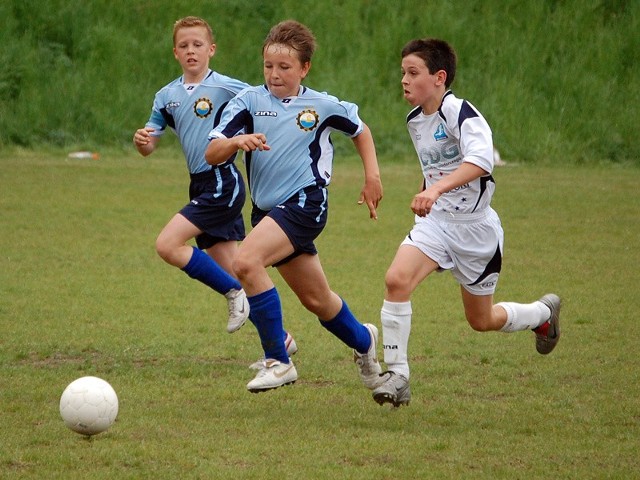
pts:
pixel 272 375
pixel 289 344
pixel 238 309
pixel 367 363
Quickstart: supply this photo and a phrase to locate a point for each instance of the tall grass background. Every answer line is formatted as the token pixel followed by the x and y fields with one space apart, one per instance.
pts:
pixel 559 82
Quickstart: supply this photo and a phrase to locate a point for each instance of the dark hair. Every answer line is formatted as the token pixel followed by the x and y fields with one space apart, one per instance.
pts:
pixel 437 55
pixel 294 35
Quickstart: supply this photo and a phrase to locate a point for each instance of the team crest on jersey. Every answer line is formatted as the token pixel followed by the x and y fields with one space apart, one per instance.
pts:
pixel 307 120
pixel 203 107
pixel 439 133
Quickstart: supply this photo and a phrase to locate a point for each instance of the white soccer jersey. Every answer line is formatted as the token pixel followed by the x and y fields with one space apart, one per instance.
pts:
pixel 456 133
pixel 298 131
pixel 193 114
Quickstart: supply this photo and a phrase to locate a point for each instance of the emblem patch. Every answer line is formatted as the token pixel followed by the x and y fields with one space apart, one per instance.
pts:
pixel 440 133
pixel 203 107
pixel 307 120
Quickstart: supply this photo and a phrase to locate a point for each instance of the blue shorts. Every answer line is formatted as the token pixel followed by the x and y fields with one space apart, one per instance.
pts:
pixel 302 218
pixel 217 197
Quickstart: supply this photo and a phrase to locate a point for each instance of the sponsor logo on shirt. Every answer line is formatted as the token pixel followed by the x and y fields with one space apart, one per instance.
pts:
pixel 265 113
pixel 203 107
pixel 439 133
pixel 307 120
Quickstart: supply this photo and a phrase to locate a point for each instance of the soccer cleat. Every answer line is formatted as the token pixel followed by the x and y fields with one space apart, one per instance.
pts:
pixel 289 344
pixel 394 390
pixel 367 363
pixel 238 309
pixel 548 334
pixel 272 375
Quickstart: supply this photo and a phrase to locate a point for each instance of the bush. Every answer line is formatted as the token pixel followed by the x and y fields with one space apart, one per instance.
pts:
pixel 558 81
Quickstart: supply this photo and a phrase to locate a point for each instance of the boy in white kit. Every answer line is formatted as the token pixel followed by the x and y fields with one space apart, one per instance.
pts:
pixel 456 229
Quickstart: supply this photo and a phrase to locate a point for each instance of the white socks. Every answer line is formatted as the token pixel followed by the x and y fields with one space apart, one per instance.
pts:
pixel 522 316
pixel 396 327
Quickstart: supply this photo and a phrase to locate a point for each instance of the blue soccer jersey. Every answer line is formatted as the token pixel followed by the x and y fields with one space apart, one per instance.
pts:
pixel 298 131
pixel 192 111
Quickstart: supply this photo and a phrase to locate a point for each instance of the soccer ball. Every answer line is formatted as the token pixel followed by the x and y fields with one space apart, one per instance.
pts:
pixel 89 405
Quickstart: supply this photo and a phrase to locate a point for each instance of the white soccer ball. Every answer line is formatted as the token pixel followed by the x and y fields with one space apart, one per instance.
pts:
pixel 89 405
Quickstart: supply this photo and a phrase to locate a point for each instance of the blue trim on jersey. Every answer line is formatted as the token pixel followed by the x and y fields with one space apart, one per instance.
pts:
pixel 298 129
pixel 483 186
pixel 446 94
pixel 414 113
pixel 192 115
pixel 168 118
pixel 466 112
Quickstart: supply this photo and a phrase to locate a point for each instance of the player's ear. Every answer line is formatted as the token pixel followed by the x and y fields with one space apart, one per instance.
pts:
pixel 212 50
pixel 306 66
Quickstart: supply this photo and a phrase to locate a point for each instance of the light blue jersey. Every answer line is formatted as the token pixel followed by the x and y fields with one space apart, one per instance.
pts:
pixel 298 131
pixel 192 114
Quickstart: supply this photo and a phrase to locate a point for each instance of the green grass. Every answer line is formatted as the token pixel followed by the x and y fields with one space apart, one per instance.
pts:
pixel 82 292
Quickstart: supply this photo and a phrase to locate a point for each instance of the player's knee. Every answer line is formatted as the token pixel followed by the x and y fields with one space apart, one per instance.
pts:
pixel 395 282
pixel 479 324
pixel 163 249
pixel 242 266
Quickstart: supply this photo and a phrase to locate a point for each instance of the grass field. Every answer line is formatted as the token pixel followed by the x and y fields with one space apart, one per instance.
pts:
pixel 82 292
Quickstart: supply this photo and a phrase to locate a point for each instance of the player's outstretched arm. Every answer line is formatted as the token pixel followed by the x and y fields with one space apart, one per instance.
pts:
pixel 220 149
pixel 371 193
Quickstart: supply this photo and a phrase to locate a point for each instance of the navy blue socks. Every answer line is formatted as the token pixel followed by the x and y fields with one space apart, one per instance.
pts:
pixel 349 330
pixel 203 268
pixel 266 315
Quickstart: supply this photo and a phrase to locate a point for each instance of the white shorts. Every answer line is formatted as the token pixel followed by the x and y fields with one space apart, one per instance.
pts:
pixel 470 245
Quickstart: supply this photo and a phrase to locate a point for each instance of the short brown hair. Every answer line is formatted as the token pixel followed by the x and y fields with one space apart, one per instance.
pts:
pixel 192 22
pixel 437 55
pixel 294 35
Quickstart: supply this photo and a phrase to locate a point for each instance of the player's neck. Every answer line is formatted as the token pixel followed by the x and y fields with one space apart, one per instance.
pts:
pixel 188 77
pixel 432 105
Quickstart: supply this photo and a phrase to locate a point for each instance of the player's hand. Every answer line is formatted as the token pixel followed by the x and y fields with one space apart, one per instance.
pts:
pixel 252 142
pixel 423 202
pixel 142 136
pixel 371 194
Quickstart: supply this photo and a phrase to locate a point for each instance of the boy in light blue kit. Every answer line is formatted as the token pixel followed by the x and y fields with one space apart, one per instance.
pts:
pixel 284 129
pixel 191 105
